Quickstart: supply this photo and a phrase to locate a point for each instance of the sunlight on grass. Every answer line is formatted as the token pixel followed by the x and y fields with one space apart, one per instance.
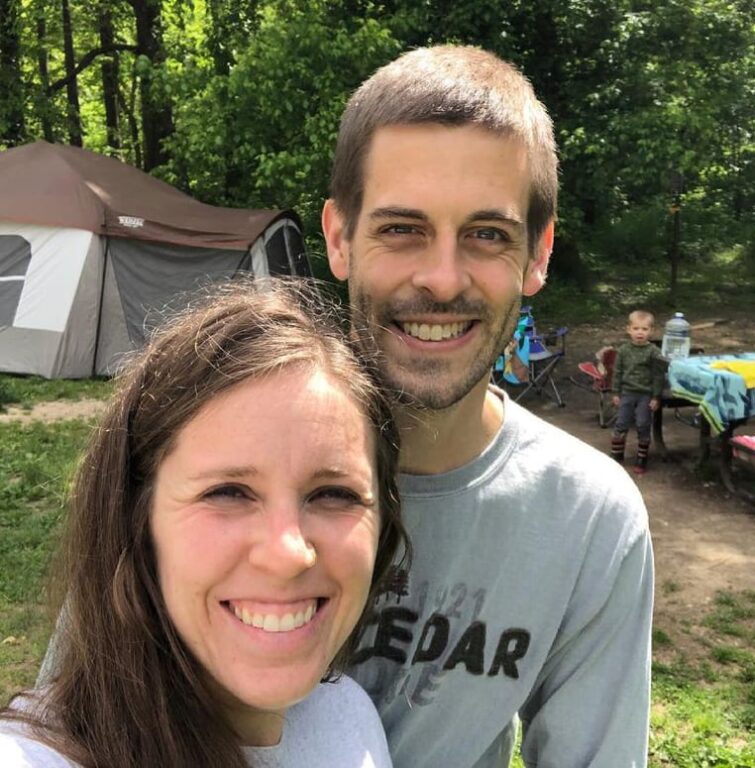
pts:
pixel 36 463
pixel 25 391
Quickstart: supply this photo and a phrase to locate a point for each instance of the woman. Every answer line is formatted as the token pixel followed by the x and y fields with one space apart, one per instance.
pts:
pixel 219 552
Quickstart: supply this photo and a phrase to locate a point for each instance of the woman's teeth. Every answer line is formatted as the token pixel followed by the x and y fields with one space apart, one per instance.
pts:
pixel 272 622
pixel 434 331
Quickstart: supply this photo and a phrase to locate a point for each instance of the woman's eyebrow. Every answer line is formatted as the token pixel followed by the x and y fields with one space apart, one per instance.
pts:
pixel 231 472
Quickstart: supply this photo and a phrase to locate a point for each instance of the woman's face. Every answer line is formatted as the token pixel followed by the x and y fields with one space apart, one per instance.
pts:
pixel 265 521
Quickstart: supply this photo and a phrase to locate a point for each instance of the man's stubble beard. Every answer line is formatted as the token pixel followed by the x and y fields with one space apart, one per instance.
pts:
pixel 365 328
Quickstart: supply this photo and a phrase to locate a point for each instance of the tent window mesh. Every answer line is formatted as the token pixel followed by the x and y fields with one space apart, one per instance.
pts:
pixel 15 255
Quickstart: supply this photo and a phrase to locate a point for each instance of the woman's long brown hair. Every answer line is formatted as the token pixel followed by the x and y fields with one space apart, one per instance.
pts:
pixel 126 692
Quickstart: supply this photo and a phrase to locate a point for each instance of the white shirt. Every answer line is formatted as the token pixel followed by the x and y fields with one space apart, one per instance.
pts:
pixel 336 724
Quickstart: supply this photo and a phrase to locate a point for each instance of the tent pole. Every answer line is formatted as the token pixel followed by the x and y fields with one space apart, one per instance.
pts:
pixel 99 309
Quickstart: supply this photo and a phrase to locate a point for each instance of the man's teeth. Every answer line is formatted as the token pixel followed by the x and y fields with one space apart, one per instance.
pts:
pixel 271 622
pixel 435 331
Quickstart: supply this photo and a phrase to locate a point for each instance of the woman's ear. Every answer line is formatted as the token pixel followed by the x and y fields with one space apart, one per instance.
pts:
pixel 537 268
pixel 334 229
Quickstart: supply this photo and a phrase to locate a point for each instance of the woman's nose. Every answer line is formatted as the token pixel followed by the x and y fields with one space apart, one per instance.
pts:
pixel 282 547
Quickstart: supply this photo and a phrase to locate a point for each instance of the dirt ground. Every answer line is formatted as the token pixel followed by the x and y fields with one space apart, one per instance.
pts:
pixel 704 538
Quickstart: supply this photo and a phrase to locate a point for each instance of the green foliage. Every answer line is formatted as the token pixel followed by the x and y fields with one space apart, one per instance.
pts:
pixel 263 136
pixel 641 94
pixel 639 235
pixel 722 277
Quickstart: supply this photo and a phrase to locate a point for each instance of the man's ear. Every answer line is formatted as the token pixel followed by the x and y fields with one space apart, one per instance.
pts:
pixel 537 269
pixel 334 229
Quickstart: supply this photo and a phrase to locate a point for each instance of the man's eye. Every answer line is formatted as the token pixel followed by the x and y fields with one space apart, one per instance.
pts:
pixel 399 229
pixel 491 233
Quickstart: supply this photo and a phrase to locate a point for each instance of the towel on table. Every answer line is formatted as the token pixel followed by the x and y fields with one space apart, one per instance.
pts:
pixel 744 368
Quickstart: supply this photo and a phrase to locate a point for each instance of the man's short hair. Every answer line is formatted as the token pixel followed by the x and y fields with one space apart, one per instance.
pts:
pixel 454 86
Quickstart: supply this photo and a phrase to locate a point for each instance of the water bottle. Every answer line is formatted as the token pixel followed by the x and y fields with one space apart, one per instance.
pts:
pixel 676 339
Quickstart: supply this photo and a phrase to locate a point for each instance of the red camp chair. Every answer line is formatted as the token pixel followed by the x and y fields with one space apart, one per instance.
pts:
pixel 597 377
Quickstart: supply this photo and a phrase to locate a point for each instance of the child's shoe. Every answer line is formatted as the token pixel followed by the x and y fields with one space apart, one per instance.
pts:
pixel 641 463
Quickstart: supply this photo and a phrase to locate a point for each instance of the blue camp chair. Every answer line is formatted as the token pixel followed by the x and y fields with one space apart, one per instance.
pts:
pixel 529 361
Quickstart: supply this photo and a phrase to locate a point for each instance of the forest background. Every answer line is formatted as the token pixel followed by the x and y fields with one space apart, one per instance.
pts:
pixel 237 103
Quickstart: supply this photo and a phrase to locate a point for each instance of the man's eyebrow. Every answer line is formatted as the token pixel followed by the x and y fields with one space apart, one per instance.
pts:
pixel 398 212
pixel 509 218
pixel 496 214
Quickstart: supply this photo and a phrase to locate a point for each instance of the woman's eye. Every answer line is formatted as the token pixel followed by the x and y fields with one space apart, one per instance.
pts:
pixel 226 492
pixel 335 496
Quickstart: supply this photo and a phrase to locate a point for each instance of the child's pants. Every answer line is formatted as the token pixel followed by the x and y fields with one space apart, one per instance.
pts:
pixel 634 408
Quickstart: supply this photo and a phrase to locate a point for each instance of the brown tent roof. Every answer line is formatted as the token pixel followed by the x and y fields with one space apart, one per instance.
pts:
pixel 60 185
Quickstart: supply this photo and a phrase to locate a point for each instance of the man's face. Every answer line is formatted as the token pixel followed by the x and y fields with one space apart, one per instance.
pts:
pixel 438 260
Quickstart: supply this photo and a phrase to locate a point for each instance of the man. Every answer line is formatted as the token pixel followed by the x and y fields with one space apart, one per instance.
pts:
pixel 530 591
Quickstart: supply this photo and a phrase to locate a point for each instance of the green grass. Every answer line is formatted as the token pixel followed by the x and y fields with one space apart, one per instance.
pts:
pixel 704 710
pixel 25 391
pixel 36 463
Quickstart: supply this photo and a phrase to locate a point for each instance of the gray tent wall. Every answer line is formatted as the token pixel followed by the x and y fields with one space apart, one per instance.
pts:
pixel 47 324
pixel 123 288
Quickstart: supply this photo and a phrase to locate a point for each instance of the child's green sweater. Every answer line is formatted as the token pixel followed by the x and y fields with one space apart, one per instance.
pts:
pixel 638 369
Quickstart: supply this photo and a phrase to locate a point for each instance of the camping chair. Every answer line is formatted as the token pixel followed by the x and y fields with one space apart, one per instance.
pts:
pixel 597 378
pixel 529 362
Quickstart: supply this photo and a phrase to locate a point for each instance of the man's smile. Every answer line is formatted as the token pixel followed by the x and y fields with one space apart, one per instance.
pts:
pixel 435 331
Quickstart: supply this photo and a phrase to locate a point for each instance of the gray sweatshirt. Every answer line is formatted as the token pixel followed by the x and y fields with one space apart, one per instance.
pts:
pixel 530 594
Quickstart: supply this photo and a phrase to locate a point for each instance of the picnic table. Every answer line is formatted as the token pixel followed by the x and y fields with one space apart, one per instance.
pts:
pixel 723 388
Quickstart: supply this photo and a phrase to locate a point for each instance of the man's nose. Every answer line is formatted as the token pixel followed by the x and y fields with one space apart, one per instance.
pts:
pixel 442 270
pixel 281 547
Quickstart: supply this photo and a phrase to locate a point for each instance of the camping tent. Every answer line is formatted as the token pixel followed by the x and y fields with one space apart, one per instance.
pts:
pixel 93 252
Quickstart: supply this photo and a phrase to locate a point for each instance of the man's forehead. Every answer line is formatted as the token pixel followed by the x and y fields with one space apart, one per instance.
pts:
pixel 405 166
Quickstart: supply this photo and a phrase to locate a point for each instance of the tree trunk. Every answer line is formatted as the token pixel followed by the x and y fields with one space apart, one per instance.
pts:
pixel 676 233
pixel 12 124
pixel 128 108
pixel 109 68
pixel 44 76
pixel 157 117
pixel 72 86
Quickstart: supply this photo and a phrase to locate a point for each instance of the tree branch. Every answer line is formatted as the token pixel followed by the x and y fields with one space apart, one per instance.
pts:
pixel 86 60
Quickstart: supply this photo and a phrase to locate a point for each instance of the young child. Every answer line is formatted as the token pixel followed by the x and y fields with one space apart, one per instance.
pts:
pixel 638 385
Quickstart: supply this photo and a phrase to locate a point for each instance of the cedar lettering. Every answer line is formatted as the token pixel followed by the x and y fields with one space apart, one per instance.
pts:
pixel 388 630
pixel 438 627
pixel 470 649
pixel 511 647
